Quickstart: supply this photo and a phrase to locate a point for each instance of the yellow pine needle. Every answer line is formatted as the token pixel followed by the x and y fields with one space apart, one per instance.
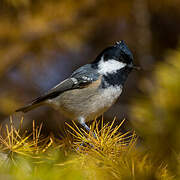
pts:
pixel 79 133
pixel 22 144
pixel 48 145
pixel 132 142
pixel 107 138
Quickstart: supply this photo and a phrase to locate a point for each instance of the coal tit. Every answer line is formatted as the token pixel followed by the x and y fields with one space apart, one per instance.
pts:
pixel 91 89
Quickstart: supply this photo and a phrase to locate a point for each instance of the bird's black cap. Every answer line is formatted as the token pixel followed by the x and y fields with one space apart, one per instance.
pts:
pixel 119 52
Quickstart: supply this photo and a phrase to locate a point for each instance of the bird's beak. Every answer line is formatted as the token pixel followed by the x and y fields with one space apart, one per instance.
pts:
pixel 134 67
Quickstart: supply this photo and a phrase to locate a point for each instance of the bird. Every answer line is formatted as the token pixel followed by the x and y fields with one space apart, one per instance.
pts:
pixel 91 89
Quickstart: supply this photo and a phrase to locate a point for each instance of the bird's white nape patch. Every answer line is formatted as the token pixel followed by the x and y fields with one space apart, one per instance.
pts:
pixel 110 66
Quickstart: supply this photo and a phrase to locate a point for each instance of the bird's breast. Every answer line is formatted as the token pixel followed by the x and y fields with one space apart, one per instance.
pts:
pixel 89 102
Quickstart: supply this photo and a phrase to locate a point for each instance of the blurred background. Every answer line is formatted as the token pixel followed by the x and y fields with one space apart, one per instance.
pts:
pixel 42 42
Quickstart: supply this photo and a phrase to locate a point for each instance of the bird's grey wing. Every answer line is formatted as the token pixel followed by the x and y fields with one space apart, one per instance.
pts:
pixel 86 74
pixel 67 84
pixel 52 93
pixel 79 79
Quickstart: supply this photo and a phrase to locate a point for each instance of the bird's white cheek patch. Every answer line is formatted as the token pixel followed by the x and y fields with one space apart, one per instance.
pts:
pixel 110 66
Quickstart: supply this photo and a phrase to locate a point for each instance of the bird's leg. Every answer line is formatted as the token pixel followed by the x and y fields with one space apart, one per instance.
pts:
pixel 85 126
pixel 82 122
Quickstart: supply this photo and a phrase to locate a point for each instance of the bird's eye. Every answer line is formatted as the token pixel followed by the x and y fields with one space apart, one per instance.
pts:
pixel 125 58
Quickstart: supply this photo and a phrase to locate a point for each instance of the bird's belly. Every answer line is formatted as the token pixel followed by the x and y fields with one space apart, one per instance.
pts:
pixel 87 103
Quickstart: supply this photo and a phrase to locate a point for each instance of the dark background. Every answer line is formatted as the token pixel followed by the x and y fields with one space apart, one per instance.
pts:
pixel 42 42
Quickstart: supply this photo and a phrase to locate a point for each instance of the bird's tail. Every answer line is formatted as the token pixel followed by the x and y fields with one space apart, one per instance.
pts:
pixel 28 107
